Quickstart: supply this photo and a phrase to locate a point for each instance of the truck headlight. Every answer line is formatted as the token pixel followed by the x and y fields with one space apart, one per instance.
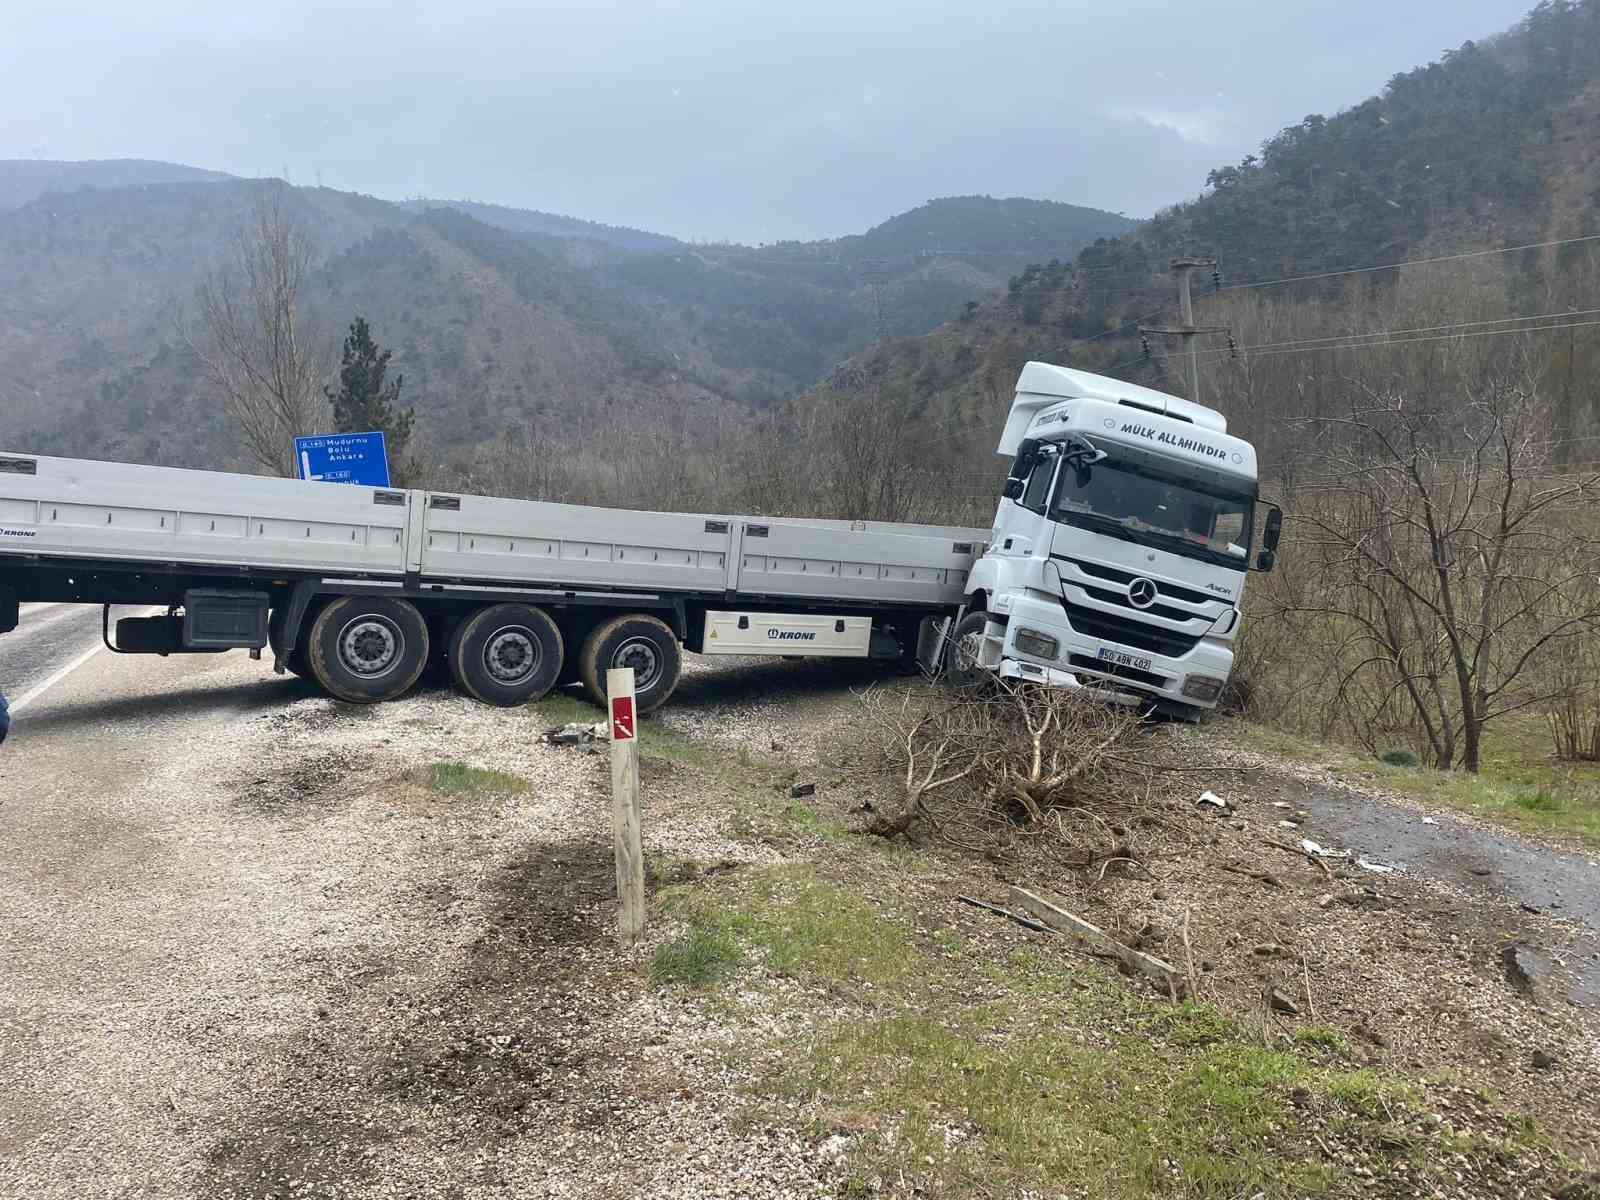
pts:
pixel 1203 687
pixel 1040 645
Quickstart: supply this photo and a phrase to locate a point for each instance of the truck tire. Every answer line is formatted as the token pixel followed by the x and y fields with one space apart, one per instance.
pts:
pixel 638 641
pixel 368 648
pixel 506 654
pixel 960 664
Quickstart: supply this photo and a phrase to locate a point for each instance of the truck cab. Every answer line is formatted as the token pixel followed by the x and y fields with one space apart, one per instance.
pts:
pixel 1120 544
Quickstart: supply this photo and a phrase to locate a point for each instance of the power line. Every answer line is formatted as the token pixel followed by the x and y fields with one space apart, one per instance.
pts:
pixel 1411 262
pixel 1262 353
pixel 1399 337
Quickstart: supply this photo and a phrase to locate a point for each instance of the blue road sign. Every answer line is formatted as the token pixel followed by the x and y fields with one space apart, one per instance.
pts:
pixel 343 458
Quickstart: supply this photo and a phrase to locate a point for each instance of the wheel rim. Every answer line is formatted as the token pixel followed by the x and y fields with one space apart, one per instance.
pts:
pixel 964 657
pixel 370 646
pixel 512 654
pixel 642 655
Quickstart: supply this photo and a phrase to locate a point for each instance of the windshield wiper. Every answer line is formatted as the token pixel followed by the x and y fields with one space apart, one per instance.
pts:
pixel 1146 535
pixel 1098 522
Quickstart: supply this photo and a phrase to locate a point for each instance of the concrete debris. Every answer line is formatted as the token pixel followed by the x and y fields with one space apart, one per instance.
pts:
pixel 1215 801
pixel 1288 825
pixel 802 789
pixel 1376 867
pixel 1317 851
pixel 1429 821
pixel 1268 949
pixel 1524 966
pixel 578 734
pixel 1282 1002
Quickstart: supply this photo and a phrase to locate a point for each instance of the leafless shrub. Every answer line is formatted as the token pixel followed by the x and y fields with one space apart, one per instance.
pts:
pixel 1574 714
pixel 980 769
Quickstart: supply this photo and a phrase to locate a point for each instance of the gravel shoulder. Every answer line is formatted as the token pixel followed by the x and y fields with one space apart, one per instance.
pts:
pixel 249 952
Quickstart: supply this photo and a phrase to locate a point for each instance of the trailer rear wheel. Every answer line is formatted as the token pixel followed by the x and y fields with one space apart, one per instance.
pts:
pixel 506 654
pixel 368 648
pixel 638 641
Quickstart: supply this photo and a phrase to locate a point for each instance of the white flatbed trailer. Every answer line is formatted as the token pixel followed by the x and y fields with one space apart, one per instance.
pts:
pixel 360 587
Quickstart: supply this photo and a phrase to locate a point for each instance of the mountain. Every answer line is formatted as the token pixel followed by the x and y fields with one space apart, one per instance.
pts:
pixel 524 220
pixel 981 226
pixel 1491 146
pixel 25 180
pixel 496 315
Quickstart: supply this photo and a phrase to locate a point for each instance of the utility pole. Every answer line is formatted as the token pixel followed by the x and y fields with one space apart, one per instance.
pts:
pixel 1182 268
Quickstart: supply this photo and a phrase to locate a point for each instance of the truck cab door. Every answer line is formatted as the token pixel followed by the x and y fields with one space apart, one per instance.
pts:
pixel 1021 519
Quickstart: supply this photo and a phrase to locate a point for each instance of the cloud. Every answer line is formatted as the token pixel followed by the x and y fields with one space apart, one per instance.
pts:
pixel 707 118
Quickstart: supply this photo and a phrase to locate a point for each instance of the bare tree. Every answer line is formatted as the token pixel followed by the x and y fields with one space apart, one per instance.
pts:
pixel 252 341
pixel 1456 564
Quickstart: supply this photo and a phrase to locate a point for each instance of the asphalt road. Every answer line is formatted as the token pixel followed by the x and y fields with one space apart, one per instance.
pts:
pixel 49 638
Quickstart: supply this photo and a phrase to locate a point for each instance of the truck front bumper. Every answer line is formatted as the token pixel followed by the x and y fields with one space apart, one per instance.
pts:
pixel 1077 661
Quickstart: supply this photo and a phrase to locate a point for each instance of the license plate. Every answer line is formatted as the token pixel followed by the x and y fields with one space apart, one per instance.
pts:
pixel 1123 660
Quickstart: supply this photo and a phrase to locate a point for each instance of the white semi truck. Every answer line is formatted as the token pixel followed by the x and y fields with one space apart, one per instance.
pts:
pixel 361 588
pixel 1120 545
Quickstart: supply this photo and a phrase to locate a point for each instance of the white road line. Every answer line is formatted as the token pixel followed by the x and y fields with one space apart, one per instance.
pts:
pixel 28 697
pixel 33 694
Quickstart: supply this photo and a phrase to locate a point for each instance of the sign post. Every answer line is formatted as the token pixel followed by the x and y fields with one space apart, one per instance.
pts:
pixel 625 804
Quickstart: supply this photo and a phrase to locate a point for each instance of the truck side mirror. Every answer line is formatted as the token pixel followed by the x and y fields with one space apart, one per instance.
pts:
pixel 1027 454
pixel 1270 533
pixel 1011 489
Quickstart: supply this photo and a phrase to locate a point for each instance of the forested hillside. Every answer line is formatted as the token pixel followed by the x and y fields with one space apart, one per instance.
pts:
pixel 496 316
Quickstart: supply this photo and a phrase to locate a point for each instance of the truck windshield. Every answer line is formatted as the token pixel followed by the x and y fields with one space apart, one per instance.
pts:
pixel 1142 506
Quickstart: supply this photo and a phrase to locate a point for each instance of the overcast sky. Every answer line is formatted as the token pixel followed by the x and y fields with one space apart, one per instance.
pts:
pixel 707 118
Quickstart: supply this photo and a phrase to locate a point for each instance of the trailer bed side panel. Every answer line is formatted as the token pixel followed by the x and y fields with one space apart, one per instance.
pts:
pixel 120 512
pixel 529 541
pixel 877 564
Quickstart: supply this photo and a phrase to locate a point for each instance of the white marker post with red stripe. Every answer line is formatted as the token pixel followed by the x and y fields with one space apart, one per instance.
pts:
pixel 625 804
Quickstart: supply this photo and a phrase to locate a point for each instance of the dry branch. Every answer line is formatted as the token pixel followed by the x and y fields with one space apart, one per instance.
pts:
pixel 1065 922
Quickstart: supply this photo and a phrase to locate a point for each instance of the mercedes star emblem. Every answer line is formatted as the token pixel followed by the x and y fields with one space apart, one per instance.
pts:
pixel 1142 593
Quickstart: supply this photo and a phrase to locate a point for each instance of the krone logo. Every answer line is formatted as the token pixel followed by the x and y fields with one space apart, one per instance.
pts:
pixel 1142 593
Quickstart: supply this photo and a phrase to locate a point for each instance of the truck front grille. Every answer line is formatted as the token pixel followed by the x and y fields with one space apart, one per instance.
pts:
pixel 1116 575
pixel 1110 627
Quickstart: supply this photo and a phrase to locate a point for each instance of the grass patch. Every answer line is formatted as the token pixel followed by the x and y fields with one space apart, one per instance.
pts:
pixel 799 924
pixel 1520 785
pixel 699 958
pixel 1324 1037
pixel 563 708
pixel 966 1072
pixel 458 780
